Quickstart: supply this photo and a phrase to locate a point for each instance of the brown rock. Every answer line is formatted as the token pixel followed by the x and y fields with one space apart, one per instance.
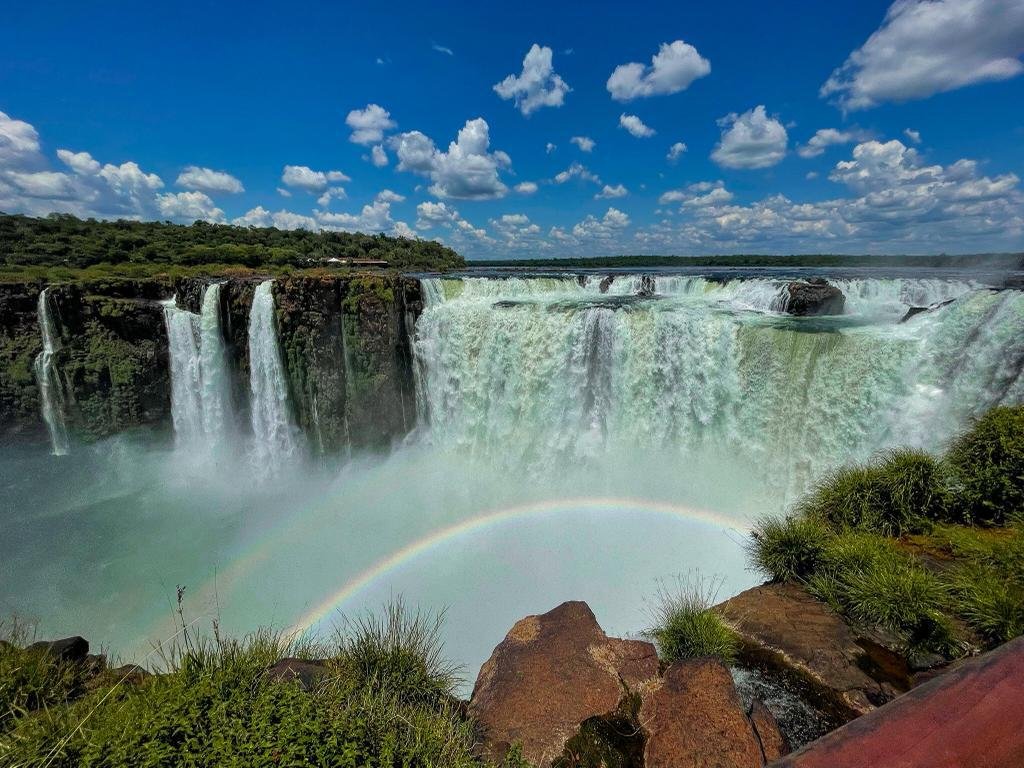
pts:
pixel 68 649
pixel 773 743
pixel 695 719
pixel 303 671
pixel 969 716
pixel 550 674
pixel 814 296
pixel 784 626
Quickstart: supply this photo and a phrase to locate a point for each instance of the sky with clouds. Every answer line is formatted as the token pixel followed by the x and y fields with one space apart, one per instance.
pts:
pixel 539 130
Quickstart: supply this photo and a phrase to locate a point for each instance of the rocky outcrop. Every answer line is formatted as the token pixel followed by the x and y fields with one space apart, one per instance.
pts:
pixel 566 694
pixel 20 343
pixel 814 296
pixel 912 311
pixel 969 716
pixel 783 626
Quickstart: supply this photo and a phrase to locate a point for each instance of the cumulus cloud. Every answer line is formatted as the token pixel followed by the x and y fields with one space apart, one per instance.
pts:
pixel 387 196
pixel 401 229
pixel 673 68
pixel 81 163
pixel 701 194
pixel 926 47
pixel 374 217
pixel 305 178
pixel 609 192
pixel 585 143
pixel 576 171
pixel 675 152
pixel 526 187
pixel 331 193
pixel 19 141
pixel 368 125
pixel 824 138
pixel 515 231
pixel 261 217
pixel 538 85
pixel 188 207
pixel 430 215
pixel 607 227
pixel 207 180
pixel 378 156
pixel 468 170
pixel 751 140
pixel 914 136
pixel 635 126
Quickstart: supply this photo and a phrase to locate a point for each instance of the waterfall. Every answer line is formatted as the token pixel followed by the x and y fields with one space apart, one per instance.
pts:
pixel 51 392
pixel 534 371
pixel 274 435
pixel 201 407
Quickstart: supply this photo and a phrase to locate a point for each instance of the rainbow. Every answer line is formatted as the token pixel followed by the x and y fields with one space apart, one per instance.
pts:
pixel 421 547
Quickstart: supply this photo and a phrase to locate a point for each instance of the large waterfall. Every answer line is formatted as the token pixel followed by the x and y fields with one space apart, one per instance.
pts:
pixel 50 390
pixel 274 434
pixel 537 372
pixel 200 382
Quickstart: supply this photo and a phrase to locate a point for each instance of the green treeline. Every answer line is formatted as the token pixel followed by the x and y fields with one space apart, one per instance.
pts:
pixel 62 240
pixel 990 260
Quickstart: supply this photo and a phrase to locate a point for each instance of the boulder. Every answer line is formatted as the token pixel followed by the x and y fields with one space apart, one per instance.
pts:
pixel 647 286
pixel 782 625
pixel 304 672
pixel 694 718
pixel 773 743
pixel 606 283
pixel 814 296
pixel 969 716
pixel 74 649
pixel 551 673
pixel 912 311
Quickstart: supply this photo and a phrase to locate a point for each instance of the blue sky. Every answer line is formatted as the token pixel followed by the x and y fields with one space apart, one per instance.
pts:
pixel 841 127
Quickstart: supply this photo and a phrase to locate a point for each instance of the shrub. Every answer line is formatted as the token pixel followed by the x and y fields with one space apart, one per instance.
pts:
pixel 788 549
pixel 687 627
pixel 844 498
pixel 990 602
pixel 988 466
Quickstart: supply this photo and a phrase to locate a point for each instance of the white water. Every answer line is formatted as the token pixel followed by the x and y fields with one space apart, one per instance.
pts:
pixel 275 438
pixel 201 408
pixel 50 390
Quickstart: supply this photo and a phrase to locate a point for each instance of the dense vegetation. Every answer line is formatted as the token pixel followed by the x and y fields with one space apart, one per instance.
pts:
pixel 61 240
pixel 385 698
pixel 998 261
pixel 929 549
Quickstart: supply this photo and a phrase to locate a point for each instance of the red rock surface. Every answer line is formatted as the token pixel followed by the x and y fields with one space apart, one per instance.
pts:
pixel 969 717
pixel 773 744
pixel 694 719
pixel 786 625
pixel 549 674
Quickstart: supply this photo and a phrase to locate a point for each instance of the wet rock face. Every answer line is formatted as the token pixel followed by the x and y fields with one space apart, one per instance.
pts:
pixel 550 674
pixel 782 625
pixel 814 296
pixel 20 342
pixel 567 694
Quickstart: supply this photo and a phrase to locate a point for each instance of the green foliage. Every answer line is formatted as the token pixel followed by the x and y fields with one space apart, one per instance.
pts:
pixel 1008 261
pixel 377 705
pixel 787 549
pixel 31 679
pixel 988 466
pixel 990 601
pixel 899 494
pixel 65 242
pixel 687 627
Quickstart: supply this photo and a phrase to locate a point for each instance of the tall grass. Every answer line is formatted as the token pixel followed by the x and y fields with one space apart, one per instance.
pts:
pixel 988 467
pixel 687 627
pixel 788 549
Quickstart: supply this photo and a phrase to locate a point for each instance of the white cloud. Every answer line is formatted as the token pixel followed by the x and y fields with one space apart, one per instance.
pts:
pixel 698 195
pixel 284 192
pixel 468 170
pixel 537 85
pixel 368 125
pixel 430 215
pixel 18 141
pixel 576 171
pixel 672 69
pixel 130 182
pixel 387 196
pixel 187 207
pixel 675 152
pixel 42 184
pixel 401 229
pixel 207 180
pixel 378 156
pixel 608 226
pixel 926 47
pixel 811 175
pixel 610 192
pixel 750 140
pixel 526 187
pixel 305 178
pixel 374 217
pixel 824 138
pixel 914 136
pixel 516 232
pixel 331 193
pixel 442 49
pixel 585 143
pixel 549 148
pixel 81 163
pixel 635 126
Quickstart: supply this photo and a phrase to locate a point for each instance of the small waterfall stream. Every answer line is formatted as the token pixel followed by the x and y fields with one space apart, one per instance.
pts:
pixel 50 390
pixel 275 437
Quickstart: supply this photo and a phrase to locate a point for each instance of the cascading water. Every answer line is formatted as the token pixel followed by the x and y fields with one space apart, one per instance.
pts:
pixel 531 372
pixel 275 439
pixel 200 381
pixel 50 389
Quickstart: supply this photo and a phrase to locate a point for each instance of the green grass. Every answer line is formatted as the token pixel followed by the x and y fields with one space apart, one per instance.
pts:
pixel 384 701
pixel 687 627
pixel 991 602
pixel 788 549
pixel 987 463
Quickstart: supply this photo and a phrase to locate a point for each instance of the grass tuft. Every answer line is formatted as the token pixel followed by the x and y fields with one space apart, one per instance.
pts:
pixel 788 549
pixel 687 627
